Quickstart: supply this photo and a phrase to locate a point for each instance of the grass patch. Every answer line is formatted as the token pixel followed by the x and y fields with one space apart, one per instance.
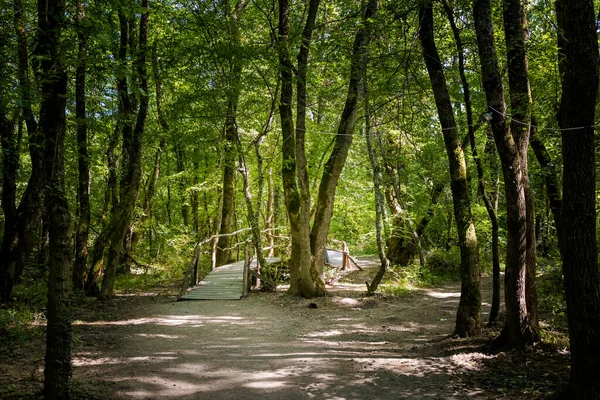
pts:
pixel 154 279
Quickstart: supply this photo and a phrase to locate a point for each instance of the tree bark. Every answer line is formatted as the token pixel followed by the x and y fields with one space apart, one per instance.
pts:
pixel 553 189
pixel 335 163
pixel 491 210
pixel 580 63
pixel 131 151
pixel 57 371
pixel 469 308
pixel 224 255
pixel 517 332
pixel 301 280
pixel 379 198
pixel 83 188
pixel 403 248
pixel 515 25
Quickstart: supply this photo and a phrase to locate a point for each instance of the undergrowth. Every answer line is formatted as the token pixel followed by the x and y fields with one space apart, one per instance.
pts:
pixel 19 317
pixel 440 266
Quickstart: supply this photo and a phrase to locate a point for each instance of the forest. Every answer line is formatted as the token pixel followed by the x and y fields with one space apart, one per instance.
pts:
pixel 403 193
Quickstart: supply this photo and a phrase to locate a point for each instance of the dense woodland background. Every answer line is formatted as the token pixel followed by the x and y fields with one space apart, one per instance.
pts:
pixel 456 138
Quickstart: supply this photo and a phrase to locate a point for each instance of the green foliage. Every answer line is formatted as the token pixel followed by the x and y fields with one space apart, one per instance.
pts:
pixel 551 294
pixel 440 266
pixel 156 278
pixel 17 326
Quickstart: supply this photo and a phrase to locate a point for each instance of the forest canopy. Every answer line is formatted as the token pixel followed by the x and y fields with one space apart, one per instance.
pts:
pixel 452 139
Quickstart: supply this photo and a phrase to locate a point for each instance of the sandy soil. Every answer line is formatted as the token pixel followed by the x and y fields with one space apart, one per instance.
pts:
pixel 272 346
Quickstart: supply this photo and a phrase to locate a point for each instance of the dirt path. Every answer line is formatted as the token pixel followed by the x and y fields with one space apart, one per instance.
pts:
pixel 272 346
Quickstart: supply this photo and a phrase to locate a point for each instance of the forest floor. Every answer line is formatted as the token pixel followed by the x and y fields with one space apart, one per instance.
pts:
pixel 147 345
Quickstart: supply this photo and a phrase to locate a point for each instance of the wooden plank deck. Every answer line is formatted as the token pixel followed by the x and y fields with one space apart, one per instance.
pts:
pixel 224 283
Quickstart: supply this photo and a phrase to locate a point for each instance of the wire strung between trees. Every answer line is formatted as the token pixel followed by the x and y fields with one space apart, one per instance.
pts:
pixel 541 128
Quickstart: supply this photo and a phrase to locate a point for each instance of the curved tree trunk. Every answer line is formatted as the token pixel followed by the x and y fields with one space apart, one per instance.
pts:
pixel 335 163
pixel 551 180
pixel 224 254
pixel 132 156
pixel 469 308
pixel 379 198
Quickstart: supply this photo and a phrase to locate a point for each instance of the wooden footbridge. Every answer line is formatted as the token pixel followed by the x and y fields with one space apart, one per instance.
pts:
pixel 233 281
pixel 228 282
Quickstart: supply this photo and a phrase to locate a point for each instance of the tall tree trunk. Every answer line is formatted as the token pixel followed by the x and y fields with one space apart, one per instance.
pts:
pixel 301 280
pixel 515 25
pixel 518 331
pixel 224 255
pixel 180 167
pixel 269 218
pixel 343 140
pixel 10 166
pixel 83 188
pixel 132 146
pixel 491 155
pixel 580 63
pixel 378 192
pixel 57 371
pixel 491 210
pixel 469 308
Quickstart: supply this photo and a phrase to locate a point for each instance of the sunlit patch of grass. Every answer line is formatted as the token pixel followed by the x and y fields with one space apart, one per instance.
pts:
pixel 557 339
pixel 395 289
pixel 155 279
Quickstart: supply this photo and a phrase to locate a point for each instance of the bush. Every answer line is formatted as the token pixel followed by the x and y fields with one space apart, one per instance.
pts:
pixel 551 293
pixel 16 326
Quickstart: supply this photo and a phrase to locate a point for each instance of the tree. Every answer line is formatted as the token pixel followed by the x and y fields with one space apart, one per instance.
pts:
pixel 580 63
pixel 469 308
pixel 515 24
pixel 20 233
pixel 132 125
pixel 51 128
pixel 83 189
pixel 230 132
pixel 308 245
pixel 517 330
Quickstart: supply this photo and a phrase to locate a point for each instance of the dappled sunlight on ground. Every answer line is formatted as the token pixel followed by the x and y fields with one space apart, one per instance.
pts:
pixel 172 320
pixel 271 346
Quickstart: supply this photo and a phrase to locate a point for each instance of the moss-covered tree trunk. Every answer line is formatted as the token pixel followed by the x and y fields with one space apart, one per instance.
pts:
pixel 515 25
pixel 343 140
pixel 132 154
pixel 469 308
pixel 517 331
pixel 293 169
